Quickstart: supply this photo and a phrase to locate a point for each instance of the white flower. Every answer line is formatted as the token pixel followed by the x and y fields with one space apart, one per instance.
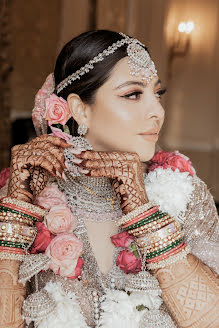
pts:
pixel 171 190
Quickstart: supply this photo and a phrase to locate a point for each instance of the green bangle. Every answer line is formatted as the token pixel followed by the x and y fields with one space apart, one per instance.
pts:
pixel 13 244
pixel 6 209
pixel 147 220
pixel 164 250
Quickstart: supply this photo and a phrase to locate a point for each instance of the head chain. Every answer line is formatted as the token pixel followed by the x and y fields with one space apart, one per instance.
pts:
pixel 142 59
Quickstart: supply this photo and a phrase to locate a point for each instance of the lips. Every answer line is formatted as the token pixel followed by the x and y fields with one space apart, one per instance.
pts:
pixel 151 135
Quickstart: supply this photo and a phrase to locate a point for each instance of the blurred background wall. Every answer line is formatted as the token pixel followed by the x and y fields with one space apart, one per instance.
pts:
pixel 34 31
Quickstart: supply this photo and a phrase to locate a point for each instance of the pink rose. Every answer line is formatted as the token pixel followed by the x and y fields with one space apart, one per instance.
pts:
pixel 123 239
pixel 4 175
pixel 42 240
pixel 49 197
pixel 58 133
pixel 128 262
pixel 60 219
pixel 64 251
pixel 173 160
pixel 57 110
pixel 78 268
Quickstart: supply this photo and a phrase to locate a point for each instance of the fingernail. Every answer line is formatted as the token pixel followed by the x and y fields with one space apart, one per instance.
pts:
pixel 75 151
pixel 58 174
pixel 83 170
pixel 68 166
pixel 77 160
pixel 64 176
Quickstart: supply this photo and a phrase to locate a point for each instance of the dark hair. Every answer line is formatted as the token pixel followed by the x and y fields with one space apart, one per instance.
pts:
pixel 77 52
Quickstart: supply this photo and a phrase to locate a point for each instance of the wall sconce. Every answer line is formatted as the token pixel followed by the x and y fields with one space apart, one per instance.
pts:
pixel 180 45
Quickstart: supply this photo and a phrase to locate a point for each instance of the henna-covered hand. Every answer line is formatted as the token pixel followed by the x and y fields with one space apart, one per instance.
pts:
pixel 126 171
pixel 32 163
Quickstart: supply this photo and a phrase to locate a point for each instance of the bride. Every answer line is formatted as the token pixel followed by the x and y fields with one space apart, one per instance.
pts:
pixel 98 229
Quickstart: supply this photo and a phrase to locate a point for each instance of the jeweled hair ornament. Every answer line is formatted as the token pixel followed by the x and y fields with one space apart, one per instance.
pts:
pixel 140 62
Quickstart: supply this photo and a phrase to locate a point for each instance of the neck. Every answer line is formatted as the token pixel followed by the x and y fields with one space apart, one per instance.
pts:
pixel 144 166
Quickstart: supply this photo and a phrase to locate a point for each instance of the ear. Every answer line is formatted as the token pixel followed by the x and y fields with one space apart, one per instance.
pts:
pixel 78 109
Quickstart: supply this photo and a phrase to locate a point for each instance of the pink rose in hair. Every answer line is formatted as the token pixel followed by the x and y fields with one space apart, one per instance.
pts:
pixel 60 219
pixel 57 111
pixel 123 239
pixel 49 197
pixel 128 262
pixel 58 133
pixel 64 251
pixel 42 240
pixel 173 160
pixel 4 175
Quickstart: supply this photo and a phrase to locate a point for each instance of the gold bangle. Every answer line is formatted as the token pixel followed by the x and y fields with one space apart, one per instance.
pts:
pixel 152 225
pixel 17 229
pixel 15 218
pixel 161 244
pixel 139 210
pixel 35 210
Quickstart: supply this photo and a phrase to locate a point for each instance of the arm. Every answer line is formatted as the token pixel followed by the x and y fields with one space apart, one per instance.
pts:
pixel 189 288
pixel 24 159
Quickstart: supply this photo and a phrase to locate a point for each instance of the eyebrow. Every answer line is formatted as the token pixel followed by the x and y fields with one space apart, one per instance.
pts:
pixel 141 84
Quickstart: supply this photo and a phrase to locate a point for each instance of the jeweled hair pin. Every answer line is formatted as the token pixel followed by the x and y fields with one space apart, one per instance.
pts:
pixel 140 62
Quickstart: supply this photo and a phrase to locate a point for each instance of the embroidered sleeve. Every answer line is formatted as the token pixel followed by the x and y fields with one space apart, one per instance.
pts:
pixel 201 225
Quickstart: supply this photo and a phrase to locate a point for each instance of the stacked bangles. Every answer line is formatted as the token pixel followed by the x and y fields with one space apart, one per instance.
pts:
pixel 158 236
pixel 17 229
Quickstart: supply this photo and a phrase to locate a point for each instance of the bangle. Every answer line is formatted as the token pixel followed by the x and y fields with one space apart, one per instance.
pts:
pixel 163 243
pixel 7 216
pixel 137 211
pixel 11 250
pixel 23 206
pixel 17 229
pixel 164 250
pixel 167 254
pixel 13 244
pixel 15 213
pixel 171 260
pixel 153 217
pixel 14 238
pixel 151 227
pixel 153 239
pixel 141 216
pixel 12 256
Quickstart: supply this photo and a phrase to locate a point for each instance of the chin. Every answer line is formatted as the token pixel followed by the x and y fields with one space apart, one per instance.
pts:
pixel 147 153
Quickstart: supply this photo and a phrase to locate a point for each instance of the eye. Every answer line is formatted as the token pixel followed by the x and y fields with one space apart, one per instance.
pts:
pixel 133 95
pixel 159 93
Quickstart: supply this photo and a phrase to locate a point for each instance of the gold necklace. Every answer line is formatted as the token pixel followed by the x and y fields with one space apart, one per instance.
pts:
pixel 92 192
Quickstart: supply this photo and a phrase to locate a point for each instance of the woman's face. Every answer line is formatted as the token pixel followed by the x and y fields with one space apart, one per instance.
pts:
pixel 127 115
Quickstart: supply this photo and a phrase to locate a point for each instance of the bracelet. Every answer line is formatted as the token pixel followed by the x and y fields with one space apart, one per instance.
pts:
pixel 11 250
pixel 154 240
pixel 167 254
pixel 163 243
pixel 13 238
pixel 33 209
pixel 14 257
pixel 17 229
pixel 8 216
pixel 164 250
pixel 131 215
pixel 171 260
pixel 150 219
pixel 16 213
pixel 141 216
pixel 151 227
pixel 13 244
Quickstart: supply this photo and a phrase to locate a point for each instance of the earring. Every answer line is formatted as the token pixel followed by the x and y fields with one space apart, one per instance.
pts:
pixel 82 129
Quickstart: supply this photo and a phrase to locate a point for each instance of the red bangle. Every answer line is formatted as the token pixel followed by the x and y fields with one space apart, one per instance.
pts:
pixel 167 254
pixel 22 210
pixel 141 216
pixel 11 250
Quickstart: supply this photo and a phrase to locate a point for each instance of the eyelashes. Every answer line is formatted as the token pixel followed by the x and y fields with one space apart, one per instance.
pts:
pixel 135 95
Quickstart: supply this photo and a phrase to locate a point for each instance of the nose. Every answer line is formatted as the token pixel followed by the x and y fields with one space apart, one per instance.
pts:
pixel 156 110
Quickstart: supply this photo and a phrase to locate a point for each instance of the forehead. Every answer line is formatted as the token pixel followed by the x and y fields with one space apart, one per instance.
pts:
pixel 121 73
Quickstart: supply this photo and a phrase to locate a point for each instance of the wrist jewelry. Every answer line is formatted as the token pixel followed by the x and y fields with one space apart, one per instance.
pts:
pixel 22 206
pixel 133 214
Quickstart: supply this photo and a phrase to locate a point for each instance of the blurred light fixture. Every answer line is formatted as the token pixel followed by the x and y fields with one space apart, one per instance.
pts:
pixel 180 43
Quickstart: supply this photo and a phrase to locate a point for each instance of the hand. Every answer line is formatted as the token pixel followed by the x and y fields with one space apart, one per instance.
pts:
pixel 32 163
pixel 125 170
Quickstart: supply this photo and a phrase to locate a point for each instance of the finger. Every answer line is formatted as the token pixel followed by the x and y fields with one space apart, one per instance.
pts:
pixel 54 169
pixel 94 164
pixel 103 172
pixel 121 156
pixel 46 141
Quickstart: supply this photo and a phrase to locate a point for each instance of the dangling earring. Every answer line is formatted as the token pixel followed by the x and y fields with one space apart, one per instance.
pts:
pixel 81 142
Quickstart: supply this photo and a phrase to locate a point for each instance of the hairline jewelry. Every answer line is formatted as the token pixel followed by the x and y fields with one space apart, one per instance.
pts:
pixel 139 61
